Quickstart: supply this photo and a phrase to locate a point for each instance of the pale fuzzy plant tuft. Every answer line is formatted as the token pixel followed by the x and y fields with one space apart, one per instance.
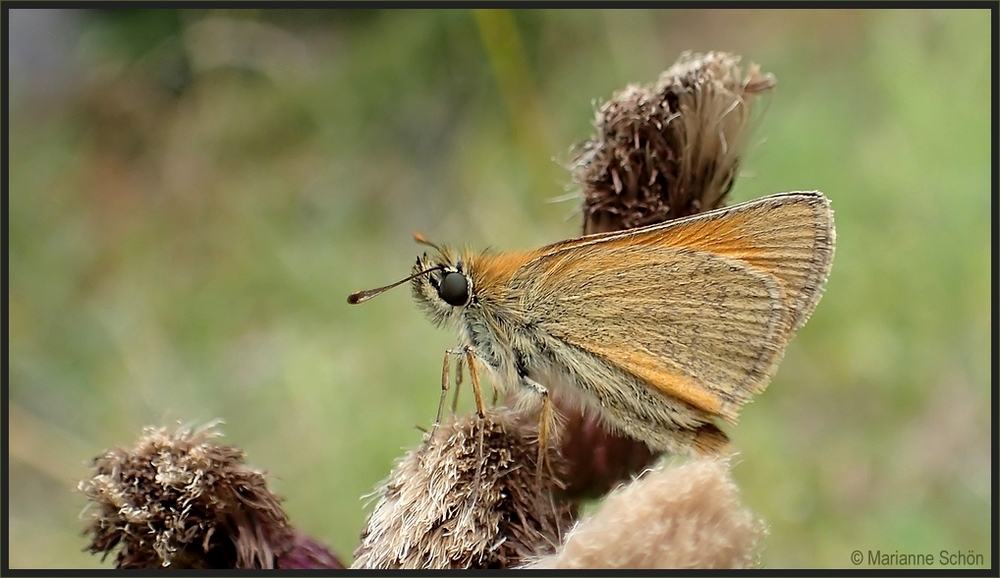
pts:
pixel 686 516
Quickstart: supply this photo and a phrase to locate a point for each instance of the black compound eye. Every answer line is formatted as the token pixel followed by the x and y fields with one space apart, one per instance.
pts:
pixel 454 289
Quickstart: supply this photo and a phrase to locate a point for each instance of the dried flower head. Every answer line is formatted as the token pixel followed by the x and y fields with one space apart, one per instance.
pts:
pixel 669 149
pixel 686 516
pixel 179 499
pixel 469 497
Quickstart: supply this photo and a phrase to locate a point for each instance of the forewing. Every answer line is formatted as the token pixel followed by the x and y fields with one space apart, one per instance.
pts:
pixel 790 236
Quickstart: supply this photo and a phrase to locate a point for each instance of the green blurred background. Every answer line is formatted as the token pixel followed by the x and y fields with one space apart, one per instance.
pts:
pixel 194 193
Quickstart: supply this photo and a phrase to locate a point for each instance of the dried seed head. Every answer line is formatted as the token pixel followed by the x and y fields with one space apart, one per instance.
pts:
pixel 180 500
pixel 669 149
pixel 469 497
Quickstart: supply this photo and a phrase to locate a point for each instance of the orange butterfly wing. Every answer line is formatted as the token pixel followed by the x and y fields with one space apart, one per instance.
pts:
pixel 700 308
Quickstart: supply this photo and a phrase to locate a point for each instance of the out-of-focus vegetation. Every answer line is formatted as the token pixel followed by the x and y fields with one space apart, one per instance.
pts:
pixel 193 194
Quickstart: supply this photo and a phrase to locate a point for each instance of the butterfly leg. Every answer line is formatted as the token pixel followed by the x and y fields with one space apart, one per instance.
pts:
pixel 445 375
pixel 466 356
pixel 459 371
pixel 445 384
pixel 477 392
pixel 546 423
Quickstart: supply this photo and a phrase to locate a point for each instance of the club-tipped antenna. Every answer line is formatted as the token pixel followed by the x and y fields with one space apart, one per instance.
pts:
pixel 362 296
pixel 418 237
